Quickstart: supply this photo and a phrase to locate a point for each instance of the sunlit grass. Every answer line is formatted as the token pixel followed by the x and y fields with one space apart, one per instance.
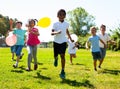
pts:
pixel 78 76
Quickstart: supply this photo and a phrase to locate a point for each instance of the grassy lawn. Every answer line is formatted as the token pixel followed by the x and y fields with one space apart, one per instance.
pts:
pixel 78 76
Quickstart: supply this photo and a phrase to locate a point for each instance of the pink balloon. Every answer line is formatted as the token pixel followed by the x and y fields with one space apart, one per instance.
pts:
pixel 11 40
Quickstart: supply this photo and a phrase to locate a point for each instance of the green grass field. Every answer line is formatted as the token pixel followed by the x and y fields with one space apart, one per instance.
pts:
pixel 78 76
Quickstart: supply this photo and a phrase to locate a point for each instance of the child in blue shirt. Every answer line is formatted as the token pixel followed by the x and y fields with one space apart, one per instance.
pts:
pixel 95 49
pixel 20 33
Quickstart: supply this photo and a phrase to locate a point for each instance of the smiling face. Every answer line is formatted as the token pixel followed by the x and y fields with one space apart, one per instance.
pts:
pixel 31 23
pixel 93 31
pixel 61 15
pixel 18 25
pixel 103 29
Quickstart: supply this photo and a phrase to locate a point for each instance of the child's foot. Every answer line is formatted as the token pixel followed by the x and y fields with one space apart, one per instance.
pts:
pixel 35 67
pixel 12 59
pixel 15 66
pixel 21 55
pixel 62 75
pixel 56 62
pixel 95 69
pixel 99 66
pixel 28 69
pixel 71 63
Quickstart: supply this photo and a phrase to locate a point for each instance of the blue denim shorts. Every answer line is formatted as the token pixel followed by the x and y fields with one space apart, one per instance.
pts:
pixel 96 55
pixel 12 48
pixel 18 49
pixel 103 52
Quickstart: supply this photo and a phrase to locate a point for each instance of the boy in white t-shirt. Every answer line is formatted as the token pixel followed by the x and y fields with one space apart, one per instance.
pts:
pixel 60 29
pixel 105 37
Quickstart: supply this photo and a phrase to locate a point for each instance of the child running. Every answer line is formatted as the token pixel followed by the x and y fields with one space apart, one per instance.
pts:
pixel 72 47
pixel 60 29
pixel 105 37
pixel 95 49
pixel 32 43
pixel 20 33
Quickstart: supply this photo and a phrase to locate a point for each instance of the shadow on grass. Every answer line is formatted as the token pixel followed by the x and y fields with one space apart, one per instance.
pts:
pixel 19 69
pixel 44 68
pixel 85 83
pixel 114 72
pixel 38 63
pixel 42 77
pixel 25 88
pixel 79 64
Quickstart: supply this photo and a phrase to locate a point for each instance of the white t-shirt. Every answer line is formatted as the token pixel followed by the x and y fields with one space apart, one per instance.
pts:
pixel 71 50
pixel 60 26
pixel 105 38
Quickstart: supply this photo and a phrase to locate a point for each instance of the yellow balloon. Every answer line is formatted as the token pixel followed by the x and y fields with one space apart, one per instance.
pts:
pixel 44 22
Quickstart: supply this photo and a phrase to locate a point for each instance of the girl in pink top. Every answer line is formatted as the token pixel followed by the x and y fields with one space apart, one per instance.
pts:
pixel 32 43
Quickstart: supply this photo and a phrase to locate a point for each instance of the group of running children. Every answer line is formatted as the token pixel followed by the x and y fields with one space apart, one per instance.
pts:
pixel 59 30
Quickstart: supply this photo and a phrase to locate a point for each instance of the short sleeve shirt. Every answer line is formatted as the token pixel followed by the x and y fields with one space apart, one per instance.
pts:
pixel 20 33
pixel 105 39
pixel 60 26
pixel 94 40
pixel 71 50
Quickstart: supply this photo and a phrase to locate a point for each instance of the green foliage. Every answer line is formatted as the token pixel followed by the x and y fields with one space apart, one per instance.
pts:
pixel 80 75
pixel 116 38
pixel 80 21
pixel 4 24
pixel 82 40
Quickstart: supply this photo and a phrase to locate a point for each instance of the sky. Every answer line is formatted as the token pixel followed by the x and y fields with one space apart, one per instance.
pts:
pixel 105 11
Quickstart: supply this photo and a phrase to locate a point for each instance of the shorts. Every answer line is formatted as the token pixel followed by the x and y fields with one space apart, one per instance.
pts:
pixel 96 55
pixel 59 48
pixel 12 48
pixel 103 52
pixel 18 49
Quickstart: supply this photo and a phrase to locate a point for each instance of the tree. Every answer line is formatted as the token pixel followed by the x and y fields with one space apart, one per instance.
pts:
pixel 4 24
pixel 80 21
pixel 116 37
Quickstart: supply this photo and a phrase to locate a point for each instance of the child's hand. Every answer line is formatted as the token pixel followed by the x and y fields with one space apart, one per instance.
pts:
pixel 87 48
pixel 105 46
pixel 59 32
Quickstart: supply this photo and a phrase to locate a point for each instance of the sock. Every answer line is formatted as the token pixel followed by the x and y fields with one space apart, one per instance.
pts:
pixel 16 63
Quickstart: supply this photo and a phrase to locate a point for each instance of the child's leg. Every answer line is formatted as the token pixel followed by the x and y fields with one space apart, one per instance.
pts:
pixel 95 63
pixel 30 50
pixel 18 53
pixel 12 56
pixel 34 56
pixel 55 46
pixel 103 53
pixel 62 74
pixel 62 61
pixel 70 58
pixel 13 51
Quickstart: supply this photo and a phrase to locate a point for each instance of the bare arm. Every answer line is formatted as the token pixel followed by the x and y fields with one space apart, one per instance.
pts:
pixel 36 33
pixel 33 32
pixel 55 32
pixel 69 35
pixel 86 45
pixel 11 24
